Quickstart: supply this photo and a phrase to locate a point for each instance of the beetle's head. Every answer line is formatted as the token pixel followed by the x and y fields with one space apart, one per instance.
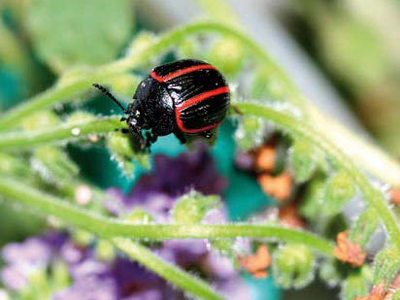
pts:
pixel 135 118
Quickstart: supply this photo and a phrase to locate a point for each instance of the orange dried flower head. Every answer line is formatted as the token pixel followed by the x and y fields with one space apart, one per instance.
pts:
pixel 348 251
pixel 258 263
pixel 279 187
pixel 395 196
pixel 265 159
pixel 288 216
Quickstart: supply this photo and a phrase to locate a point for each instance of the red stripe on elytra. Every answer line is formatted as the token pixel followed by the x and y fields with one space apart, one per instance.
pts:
pixel 179 72
pixel 181 127
pixel 194 100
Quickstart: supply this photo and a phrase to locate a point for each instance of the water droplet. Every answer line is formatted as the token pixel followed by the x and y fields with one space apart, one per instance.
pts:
pixel 75 131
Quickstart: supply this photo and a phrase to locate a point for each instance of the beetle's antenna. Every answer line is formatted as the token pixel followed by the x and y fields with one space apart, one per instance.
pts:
pixel 109 95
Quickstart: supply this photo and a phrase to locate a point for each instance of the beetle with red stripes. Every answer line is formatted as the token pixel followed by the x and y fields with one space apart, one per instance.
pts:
pixel 184 97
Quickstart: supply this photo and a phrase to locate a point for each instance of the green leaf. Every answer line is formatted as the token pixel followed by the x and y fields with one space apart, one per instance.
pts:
pixel 66 33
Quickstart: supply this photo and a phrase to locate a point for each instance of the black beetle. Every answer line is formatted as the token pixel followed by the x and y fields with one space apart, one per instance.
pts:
pixel 184 97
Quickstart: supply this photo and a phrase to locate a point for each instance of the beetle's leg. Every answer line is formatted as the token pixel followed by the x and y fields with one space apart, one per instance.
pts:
pixel 123 119
pixel 180 136
pixel 123 130
pixel 207 134
pixel 151 137
pixel 236 110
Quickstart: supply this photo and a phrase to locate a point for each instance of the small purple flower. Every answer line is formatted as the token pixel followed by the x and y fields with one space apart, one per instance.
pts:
pixel 14 277
pixel 34 251
pixel 176 176
pixel 244 160
pixel 218 266
pixel 89 288
pixel 132 278
pixel 234 289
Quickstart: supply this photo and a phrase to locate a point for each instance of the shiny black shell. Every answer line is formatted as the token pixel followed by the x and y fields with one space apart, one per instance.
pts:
pixel 188 95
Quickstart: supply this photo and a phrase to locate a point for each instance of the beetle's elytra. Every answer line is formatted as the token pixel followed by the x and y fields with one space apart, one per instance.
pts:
pixel 184 97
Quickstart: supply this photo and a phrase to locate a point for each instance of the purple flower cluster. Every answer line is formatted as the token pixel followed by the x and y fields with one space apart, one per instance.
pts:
pixel 92 278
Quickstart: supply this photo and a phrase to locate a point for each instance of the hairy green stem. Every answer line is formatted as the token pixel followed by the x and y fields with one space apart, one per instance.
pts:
pixel 301 128
pixel 30 139
pixel 65 91
pixel 62 92
pixel 374 197
pixel 106 227
pixel 168 271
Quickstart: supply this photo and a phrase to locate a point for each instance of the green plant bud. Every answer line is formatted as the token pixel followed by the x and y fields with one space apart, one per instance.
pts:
pixel 139 216
pixel 386 264
pixel 142 41
pixel 60 278
pixel 364 227
pixel 82 237
pixel 227 54
pixel 250 133
pixel 339 189
pixel 356 284
pixel 329 273
pixel 121 147
pixel 303 160
pixel 125 84
pixel 313 199
pixel 54 165
pixel 191 208
pixel 104 250
pixel 264 84
pixel 39 121
pixel 293 266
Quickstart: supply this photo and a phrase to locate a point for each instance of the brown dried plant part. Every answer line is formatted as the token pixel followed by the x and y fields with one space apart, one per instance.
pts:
pixel 265 159
pixel 395 196
pixel 279 187
pixel 258 263
pixel 347 251
pixel 289 216
pixel 377 293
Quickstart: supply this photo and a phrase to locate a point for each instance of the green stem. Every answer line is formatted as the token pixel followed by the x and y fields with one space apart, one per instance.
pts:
pixel 374 197
pixel 50 205
pixel 29 139
pixel 387 169
pixel 168 271
pixel 64 91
